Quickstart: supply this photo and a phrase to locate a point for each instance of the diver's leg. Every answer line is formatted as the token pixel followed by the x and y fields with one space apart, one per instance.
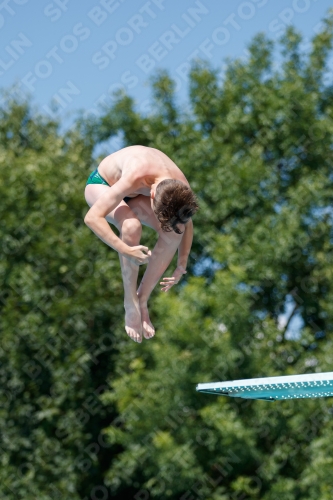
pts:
pixel 164 250
pixel 130 230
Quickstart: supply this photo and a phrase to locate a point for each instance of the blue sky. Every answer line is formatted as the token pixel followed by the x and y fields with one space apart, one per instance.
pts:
pixel 77 53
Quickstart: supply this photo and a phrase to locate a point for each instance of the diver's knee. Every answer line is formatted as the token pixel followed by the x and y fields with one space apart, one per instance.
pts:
pixel 131 230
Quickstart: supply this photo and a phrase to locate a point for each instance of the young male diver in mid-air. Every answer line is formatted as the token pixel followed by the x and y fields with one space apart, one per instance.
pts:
pixel 141 185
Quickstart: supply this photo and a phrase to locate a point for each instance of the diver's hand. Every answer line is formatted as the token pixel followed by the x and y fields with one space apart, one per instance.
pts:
pixel 138 255
pixel 167 283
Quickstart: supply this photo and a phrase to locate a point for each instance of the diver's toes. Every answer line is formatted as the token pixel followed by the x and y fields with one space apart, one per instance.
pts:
pixel 149 332
pixel 133 334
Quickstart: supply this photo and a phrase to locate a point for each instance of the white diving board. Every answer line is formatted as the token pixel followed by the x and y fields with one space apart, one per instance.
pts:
pixel 312 385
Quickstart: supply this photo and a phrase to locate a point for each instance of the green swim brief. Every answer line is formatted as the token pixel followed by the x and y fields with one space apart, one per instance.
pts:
pixel 96 178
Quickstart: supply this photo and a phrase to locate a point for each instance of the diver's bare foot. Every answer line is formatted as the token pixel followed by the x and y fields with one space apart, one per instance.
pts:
pixel 133 324
pixel 147 327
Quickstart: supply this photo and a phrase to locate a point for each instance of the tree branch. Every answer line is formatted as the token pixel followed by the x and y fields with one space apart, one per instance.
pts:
pixel 289 319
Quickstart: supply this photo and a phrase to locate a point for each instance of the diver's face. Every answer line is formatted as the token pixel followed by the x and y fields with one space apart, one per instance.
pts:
pixel 181 227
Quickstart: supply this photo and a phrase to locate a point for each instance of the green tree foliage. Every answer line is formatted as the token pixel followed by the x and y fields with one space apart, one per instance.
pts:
pixel 85 413
pixel 61 302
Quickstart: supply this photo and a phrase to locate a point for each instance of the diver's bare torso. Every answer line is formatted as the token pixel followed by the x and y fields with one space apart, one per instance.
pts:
pixel 150 163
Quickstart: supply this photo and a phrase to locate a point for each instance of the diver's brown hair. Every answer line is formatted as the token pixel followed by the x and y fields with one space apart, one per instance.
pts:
pixel 174 203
